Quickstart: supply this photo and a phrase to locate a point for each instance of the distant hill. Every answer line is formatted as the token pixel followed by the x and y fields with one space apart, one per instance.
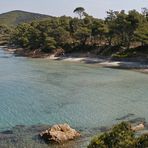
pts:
pixel 17 17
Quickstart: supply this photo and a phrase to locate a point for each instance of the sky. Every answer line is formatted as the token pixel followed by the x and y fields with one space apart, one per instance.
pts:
pixel 97 8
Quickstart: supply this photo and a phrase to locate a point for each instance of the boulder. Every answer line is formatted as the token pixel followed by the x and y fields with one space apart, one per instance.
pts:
pixel 59 133
pixel 138 127
pixel 59 52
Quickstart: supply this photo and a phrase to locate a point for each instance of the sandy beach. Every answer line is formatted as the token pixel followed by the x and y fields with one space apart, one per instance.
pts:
pixel 104 62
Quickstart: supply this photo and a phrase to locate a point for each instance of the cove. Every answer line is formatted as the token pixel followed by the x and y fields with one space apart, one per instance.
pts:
pixel 46 92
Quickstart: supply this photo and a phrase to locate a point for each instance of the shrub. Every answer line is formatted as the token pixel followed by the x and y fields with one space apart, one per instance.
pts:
pixel 120 136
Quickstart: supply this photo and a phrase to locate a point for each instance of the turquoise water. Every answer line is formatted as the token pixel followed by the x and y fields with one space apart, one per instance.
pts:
pixel 39 91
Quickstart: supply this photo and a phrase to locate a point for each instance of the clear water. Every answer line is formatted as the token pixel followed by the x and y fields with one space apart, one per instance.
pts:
pixel 39 91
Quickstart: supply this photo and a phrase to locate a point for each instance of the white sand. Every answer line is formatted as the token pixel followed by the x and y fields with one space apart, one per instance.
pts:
pixel 99 61
pixel 52 57
pixel 73 59
pixel 123 64
pixel 102 62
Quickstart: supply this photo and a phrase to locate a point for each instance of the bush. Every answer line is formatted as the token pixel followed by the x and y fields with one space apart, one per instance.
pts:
pixel 121 136
pixel 142 141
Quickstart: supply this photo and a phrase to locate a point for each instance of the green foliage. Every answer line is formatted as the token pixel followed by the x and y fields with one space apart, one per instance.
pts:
pixel 5 32
pixel 141 33
pixel 49 44
pixel 98 30
pixel 82 34
pixel 74 24
pixel 4 29
pixel 79 11
pixel 145 12
pixel 122 26
pixel 120 55
pixel 17 17
pixel 119 29
pixel 62 36
pixel 23 35
pixel 120 136
pixel 142 141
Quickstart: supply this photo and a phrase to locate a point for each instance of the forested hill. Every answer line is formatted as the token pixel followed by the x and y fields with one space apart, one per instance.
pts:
pixel 17 17
pixel 119 35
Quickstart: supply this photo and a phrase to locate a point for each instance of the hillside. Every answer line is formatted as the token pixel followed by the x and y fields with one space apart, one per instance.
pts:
pixel 16 17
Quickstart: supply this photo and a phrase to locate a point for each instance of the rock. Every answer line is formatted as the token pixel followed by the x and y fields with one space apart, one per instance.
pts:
pixel 59 133
pixel 59 52
pixel 138 127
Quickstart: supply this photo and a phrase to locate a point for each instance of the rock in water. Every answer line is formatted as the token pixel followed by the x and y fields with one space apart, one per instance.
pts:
pixel 138 127
pixel 59 133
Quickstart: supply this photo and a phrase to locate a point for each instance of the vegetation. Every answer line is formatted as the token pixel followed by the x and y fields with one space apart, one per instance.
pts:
pixel 114 36
pixel 5 32
pixel 79 11
pixel 17 17
pixel 121 136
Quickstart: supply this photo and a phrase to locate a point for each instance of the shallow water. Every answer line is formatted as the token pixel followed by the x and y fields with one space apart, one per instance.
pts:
pixel 39 91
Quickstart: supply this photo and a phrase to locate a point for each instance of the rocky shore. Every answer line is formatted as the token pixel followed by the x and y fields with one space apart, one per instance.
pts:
pixel 36 136
pixel 137 64
pixel 59 133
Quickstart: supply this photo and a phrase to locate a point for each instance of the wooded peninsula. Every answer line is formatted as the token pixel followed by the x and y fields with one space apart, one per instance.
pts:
pixel 119 35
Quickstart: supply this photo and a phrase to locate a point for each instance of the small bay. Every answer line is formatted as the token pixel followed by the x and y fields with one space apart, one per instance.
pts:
pixel 46 92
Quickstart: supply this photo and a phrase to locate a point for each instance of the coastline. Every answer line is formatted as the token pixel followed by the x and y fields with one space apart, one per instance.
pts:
pixel 135 64
pixel 68 59
pixel 106 62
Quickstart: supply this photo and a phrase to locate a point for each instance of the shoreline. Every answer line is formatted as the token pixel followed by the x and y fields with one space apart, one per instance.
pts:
pixel 104 62
pixel 107 62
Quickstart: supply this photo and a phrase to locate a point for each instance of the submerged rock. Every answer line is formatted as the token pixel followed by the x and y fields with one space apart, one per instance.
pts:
pixel 59 133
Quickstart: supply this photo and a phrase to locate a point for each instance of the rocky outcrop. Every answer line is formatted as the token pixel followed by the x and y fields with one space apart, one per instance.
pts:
pixel 59 133
pixel 59 52
pixel 138 127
